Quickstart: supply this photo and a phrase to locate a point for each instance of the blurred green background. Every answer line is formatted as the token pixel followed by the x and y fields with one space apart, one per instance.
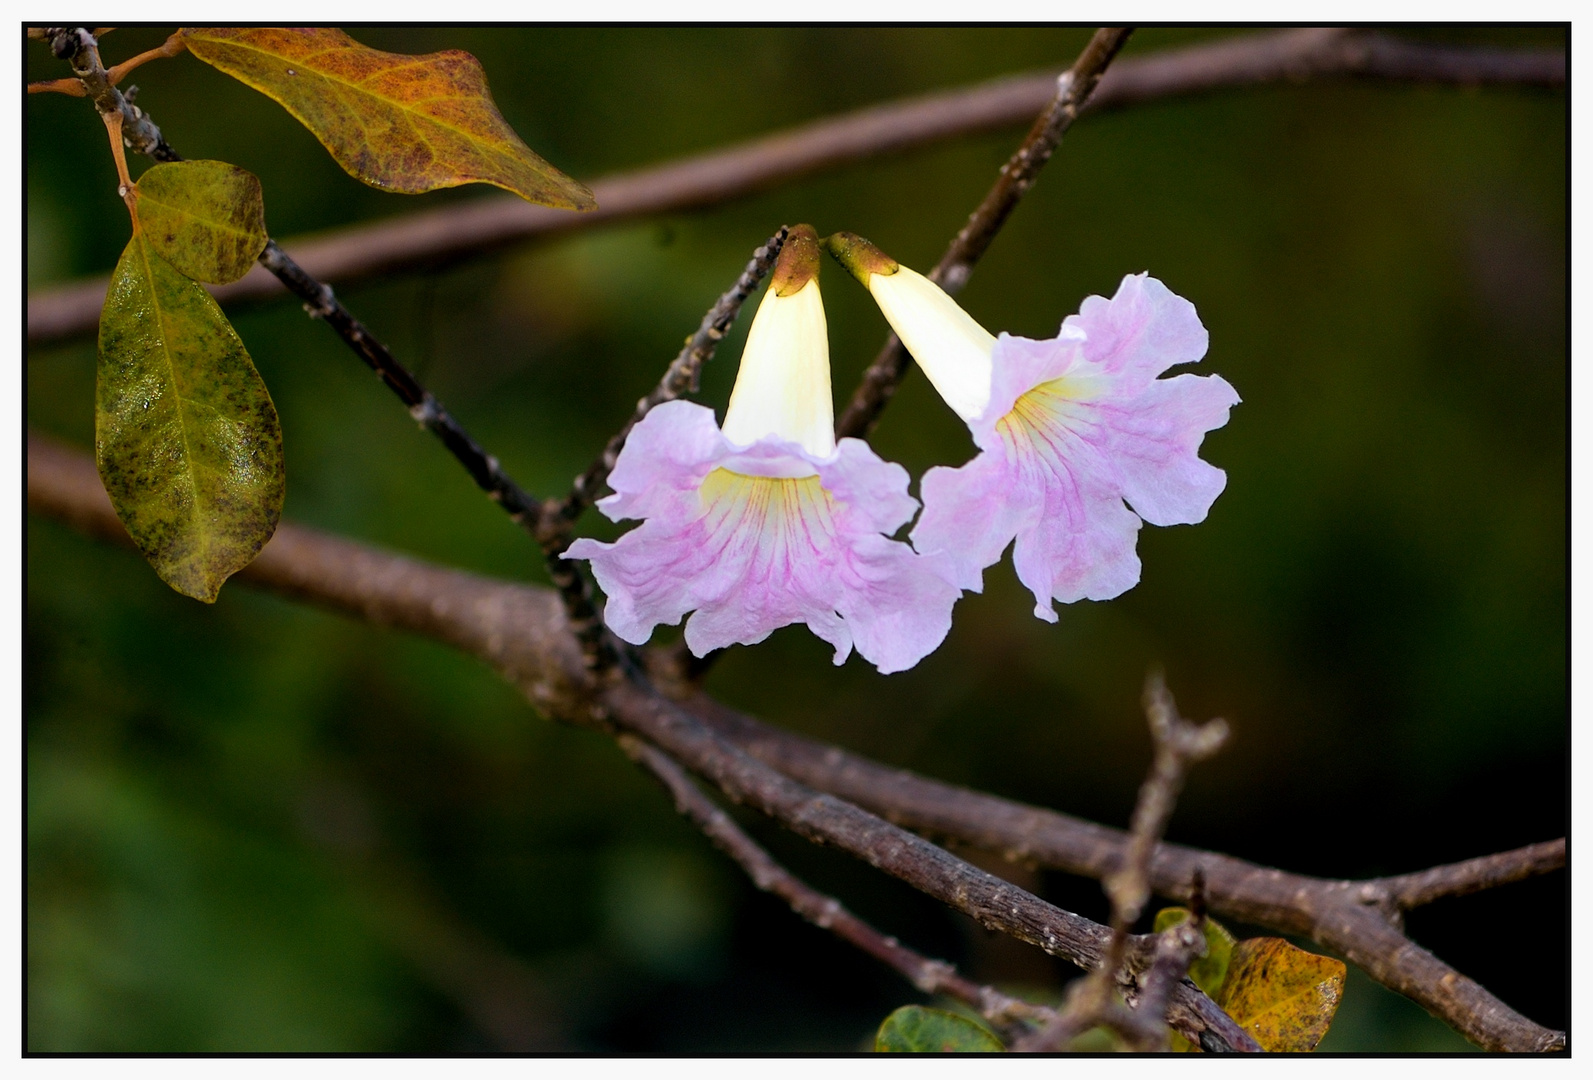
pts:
pixel 255 826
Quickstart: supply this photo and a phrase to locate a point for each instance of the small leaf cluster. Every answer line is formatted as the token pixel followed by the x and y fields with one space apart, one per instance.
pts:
pixel 1285 997
pixel 187 439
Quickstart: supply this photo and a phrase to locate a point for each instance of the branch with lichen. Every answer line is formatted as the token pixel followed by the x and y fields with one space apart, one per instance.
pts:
pixel 1093 1000
pixel 521 631
pixel 826 912
pixel 631 705
pixel 430 237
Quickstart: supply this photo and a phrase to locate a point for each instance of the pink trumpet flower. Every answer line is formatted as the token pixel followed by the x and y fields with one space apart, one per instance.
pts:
pixel 1068 429
pixel 768 521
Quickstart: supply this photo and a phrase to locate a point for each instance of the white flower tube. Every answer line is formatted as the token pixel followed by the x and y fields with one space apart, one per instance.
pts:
pixel 946 342
pixel 783 387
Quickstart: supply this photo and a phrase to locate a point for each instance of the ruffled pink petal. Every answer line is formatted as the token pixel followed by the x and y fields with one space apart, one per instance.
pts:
pixel 1154 441
pixel 1018 365
pixel 658 460
pixel 1082 549
pixel 1143 330
pixel 971 514
pixel 1075 426
pixel 766 543
pixel 875 489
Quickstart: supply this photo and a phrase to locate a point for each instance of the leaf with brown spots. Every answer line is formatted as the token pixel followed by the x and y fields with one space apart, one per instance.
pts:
pixel 206 218
pixel 185 435
pixel 399 123
pixel 1283 996
pixel 913 1029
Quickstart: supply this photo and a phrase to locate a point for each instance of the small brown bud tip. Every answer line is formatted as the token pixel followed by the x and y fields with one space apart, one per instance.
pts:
pixel 860 257
pixel 798 262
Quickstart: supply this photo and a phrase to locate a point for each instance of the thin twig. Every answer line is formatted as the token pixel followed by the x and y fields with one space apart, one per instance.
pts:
pixel 77 45
pixel 168 48
pixel 521 631
pixel 680 379
pixel 433 237
pixel 1073 89
pixel 70 86
pixel 80 49
pixel 1407 891
pixel 825 912
pixel 1178 744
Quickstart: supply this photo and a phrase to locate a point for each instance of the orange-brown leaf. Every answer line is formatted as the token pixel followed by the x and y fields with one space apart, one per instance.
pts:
pixel 1283 996
pixel 400 123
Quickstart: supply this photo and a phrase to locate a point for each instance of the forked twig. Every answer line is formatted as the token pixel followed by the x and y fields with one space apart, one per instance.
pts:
pixel 1018 175
pixel 1093 1000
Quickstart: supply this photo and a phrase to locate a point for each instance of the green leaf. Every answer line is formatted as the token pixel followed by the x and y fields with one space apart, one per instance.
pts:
pixel 400 123
pixel 913 1029
pixel 1283 996
pixel 186 436
pixel 1210 970
pixel 206 218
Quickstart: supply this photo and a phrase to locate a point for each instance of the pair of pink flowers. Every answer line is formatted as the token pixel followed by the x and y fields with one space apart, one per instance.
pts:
pixel 769 521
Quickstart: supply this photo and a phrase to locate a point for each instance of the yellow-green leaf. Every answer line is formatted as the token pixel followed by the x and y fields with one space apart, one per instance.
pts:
pixel 206 218
pixel 1207 971
pixel 913 1029
pixel 400 123
pixel 1283 996
pixel 186 437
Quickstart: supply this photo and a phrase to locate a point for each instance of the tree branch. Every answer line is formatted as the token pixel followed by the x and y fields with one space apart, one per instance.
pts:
pixel 523 632
pixel 77 45
pixel 439 236
pixel 499 623
pixel 680 378
pixel 1178 745
pixel 1073 90
pixel 1406 891
pixel 929 976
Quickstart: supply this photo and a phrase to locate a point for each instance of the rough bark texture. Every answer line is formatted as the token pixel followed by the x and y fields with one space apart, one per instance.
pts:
pixel 831 795
pixel 433 237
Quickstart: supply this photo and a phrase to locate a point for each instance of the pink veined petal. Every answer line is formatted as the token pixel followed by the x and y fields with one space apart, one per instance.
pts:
pixel 657 461
pixel 971 514
pixel 874 489
pixel 750 539
pixel 1019 364
pixel 1083 549
pixel 1075 426
pixel 1144 329
pixel 1154 440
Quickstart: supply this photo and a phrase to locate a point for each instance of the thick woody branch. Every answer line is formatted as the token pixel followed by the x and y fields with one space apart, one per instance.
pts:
pixel 825 912
pixel 1017 176
pixel 440 236
pixel 523 632
pixel 482 617
pixel 1353 917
